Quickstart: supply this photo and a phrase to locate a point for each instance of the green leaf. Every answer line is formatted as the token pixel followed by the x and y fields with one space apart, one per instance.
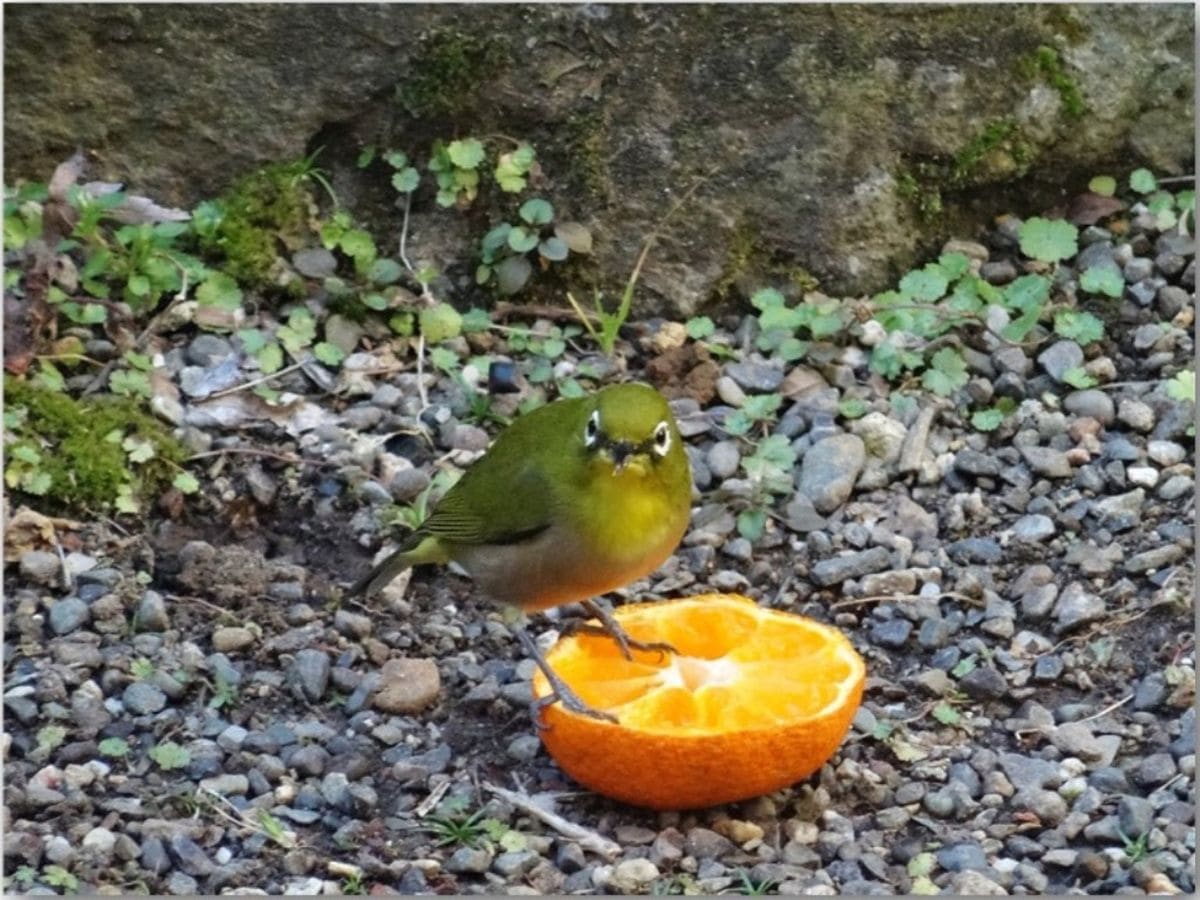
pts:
pixel 327 353
pixel 947 374
pixel 397 159
pixel 406 180
pixel 512 274
pixel 365 157
pixel 553 249
pixel 852 408
pixel 1102 279
pixel 965 667
pixel 1104 185
pixel 185 483
pixel 577 237
pixel 50 736
pixel 1081 327
pixel 374 300
pixel 766 298
pixel 139 450
pixel 926 284
pixel 385 271
pixel 762 407
pixel 113 747
pixel 946 714
pixel 1048 240
pixel 221 291
pixel 536 212
pixel 1142 181
pixel 1027 293
pixel 921 864
pixel 440 323
pixel 444 359
pixel 1078 377
pixel 48 377
pixel 751 523
pixel 466 153
pixel 700 327
pixel 138 285
pixel 954 265
pixel 36 483
pixel 475 320
pixel 483 274
pixel 359 246
pixel 1182 386
pixel 270 358
pixel 170 755
pixel 987 419
pixel 522 240
pixel 129 383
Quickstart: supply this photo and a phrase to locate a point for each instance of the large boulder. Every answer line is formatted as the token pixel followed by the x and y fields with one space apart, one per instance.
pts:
pixel 835 142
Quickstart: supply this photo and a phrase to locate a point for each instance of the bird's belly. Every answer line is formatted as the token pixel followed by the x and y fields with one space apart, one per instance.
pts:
pixel 558 567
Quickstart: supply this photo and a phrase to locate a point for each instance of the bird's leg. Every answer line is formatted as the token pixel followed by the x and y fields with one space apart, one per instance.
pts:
pixel 608 627
pixel 559 690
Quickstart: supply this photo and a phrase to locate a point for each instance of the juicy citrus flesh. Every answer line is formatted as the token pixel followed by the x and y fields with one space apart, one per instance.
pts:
pixel 754 700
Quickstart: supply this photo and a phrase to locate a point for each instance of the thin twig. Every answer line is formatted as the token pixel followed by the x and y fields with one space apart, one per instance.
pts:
pixel 254 451
pixel 68 581
pixel 585 837
pixel 421 394
pixel 256 382
pixel 876 598
pixel 1106 710
pixel 435 797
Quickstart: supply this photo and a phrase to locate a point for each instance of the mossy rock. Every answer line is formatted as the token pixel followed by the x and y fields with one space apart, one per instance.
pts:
pixel 79 444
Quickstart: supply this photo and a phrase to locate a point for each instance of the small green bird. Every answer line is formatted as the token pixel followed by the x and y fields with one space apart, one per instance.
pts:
pixel 574 499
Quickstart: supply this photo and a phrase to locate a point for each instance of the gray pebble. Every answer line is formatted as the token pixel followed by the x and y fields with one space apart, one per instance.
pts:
pixel 962 856
pixel 309 759
pixel 1121 511
pixel 152 612
pixel 68 614
pixel 189 857
pixel 469 861
pixel 892 633
pixel 935 633
pixel 850 565
pixel 1047 461
pixel 352 624
pixel 1165 453
pixel 829 470
pixel 179 884
pixel 998 272
pixel 1091 403
pixel 41 566
pixel 232 738
pixel 408 483
pixel 975 550
pixel 1138 269
pixel 515 863
pixel 723 458
pixel 1033 528
pixel 1175 487
pixel 1076 607
pixel 314 262
pixel 1172 300
pixel 1060 357
pixel 1135 815
pixel 142 698
pixel 1144 292
pixel 311 670
pixel 208 349
pixel 984 683
pixel 972 462
pixel 762 378
pixel 524 748
pixel 1155 769
pixel 704 843
pixel 730 392
pixel 1154 559
pixel 1136 414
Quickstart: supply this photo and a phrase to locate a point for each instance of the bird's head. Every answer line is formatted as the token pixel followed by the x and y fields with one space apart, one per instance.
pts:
pixel 630 429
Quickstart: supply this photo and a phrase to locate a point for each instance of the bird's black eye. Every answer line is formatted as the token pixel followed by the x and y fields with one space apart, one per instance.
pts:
pixel 662 439
pixel 591 431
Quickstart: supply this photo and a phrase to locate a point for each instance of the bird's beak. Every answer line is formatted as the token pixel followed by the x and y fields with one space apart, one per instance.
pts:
pixel 622 452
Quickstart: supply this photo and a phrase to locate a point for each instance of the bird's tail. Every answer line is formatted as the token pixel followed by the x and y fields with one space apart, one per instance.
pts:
pixel 418 548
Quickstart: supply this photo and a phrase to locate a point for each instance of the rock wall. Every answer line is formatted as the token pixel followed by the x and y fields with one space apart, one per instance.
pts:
pixel 835 142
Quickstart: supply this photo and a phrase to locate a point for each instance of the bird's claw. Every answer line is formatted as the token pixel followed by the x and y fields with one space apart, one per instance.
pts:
pixel 621 638
pixel 570 702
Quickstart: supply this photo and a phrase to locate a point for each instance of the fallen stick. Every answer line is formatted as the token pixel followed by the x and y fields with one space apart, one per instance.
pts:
pixel 585 837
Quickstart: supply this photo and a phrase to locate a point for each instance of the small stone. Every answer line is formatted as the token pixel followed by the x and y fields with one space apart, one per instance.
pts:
pixel 850 565
pixel 1076 607
pixel 984 683
pixel 515 863
pixel 703 843
pixel 1137 415
pixel 1135 814
pixel 723 458
pixel 1121 511
pixel 353 624
pixel 1059 358
pixel 1144 476
pixel 1165 453
pixel 631 876
pixel 314 262
pixel 962 856
pixel 309 759
pixel 1091 404
pixel 180 884
pixel 230 639
pixel 311 671
pixel 1000 271
pixel 189 857
pixel 730 392
pixel 524 748
pixel 1048 806
pixel 761 378
pixel 1047 461
pixel 208 350
pixel 1175 487
pixel 975 550
pixel 152 613
pixel 142 698
pixel 1138 269
pixel 1172 300
pixel 1078 739
pixel 232 738
pixel 1033 529
pixel 891 633
pixel 1155 769
pixel 1151 692
pixel 469 861
pixel 229 784
pixel 100 841
pixel 68 614
pixel 407 686
pixel 1155 559
pixel 829 470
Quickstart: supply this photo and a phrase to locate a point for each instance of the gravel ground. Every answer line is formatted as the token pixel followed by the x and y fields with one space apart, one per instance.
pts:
pixel 189 709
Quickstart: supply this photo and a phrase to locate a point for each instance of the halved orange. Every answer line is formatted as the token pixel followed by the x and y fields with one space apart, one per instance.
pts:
pixel 755 700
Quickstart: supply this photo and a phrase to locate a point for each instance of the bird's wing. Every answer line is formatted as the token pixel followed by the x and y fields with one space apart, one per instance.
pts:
pixel 516 512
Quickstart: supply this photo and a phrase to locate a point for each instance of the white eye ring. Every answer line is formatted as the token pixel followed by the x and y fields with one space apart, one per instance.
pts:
pixel 591 431
pixel 662 439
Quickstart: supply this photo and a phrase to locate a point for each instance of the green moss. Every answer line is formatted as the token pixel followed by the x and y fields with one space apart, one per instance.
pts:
pixel 263 212
pixel 587 136
pixel 74 439
pixel 447 73
pixel 748 257
pixel 993 136
pixel 1045 64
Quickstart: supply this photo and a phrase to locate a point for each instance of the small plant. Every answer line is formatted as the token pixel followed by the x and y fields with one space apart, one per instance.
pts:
pixel 114 747
pixel 225 693
pixel 353 883
pixel 142 669
pixel 57 876
pixel 465 832
pixel 1136 848
pixel 769 470
pixel 170 755
pixel 751 888
pixel 50 737
pixel 456 168
pixel 505 251
pixel 781 326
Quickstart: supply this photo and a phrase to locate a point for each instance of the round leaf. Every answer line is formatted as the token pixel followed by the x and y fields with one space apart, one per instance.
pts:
pixel 1104 185
pixel 440 323
pixel 553 249
pixel 385 271
pixel 466 153
pixel 1048 240
pixel 522 240
pixel 537 211
pixel 406 180
pixel 575 236
pixel 512 274
pixel 1143 181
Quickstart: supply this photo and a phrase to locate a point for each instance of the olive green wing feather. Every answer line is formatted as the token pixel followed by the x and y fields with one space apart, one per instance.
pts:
pixel 493 507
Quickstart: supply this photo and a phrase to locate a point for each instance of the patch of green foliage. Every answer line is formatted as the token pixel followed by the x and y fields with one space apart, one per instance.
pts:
pixel 447 72
pixel 87 454
pixel 1045 64
pixel 508 251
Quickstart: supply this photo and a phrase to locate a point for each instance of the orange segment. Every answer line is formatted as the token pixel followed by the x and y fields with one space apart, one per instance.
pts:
pixel 754 700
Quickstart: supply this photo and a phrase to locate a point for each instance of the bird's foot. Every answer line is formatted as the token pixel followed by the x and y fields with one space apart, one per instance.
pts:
pixel 559 691
pixel 608 627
